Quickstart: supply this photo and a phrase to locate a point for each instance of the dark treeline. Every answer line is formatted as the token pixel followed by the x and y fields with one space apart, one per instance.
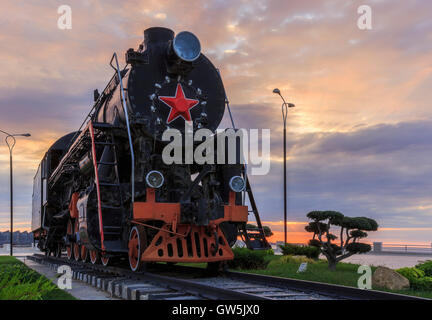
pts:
pixel 19 237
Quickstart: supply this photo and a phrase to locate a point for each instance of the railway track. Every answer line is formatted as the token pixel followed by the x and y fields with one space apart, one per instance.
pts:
pixel 191 283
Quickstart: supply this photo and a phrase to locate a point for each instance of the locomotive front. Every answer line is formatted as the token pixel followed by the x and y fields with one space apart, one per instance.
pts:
pixel 113 194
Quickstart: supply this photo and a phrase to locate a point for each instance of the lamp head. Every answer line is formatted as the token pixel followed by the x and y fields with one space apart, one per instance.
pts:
pixel 186 46
pixel 21 135
pixel 277 91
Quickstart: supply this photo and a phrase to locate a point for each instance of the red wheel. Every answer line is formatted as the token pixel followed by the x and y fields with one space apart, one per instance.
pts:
pixel 94 257
pixel 105 261
pixel 136 245
pixel 84 253
pixel 69 231
pixel 76 246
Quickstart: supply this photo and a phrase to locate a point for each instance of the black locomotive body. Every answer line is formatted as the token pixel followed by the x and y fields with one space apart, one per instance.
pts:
pixel 105 191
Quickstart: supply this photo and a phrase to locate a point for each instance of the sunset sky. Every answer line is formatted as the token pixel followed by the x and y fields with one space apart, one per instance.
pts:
pixel 359 138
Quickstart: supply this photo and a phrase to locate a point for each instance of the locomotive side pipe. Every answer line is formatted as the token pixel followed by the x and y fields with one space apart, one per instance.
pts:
pixel 123 100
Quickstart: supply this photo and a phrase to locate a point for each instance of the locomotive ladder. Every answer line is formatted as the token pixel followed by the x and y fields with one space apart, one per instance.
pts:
pixel 110 209
pixel 255 240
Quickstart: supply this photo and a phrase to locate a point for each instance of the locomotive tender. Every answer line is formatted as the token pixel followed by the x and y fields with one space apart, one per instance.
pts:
pixel 104 192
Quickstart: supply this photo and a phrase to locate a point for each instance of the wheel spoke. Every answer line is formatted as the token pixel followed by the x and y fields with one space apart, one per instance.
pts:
pixel 136 246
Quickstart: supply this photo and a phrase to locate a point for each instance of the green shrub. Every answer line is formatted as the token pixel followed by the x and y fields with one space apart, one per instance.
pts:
pixel 417 278
pixel 411 273
pixel 424 284
pixel 295 250
pixel 297 259
pixel 426 267
pixel 250 259
pixel 314 243
pixel 270 252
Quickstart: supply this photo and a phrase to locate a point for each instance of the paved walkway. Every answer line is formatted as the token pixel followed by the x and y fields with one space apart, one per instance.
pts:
pixel 80 290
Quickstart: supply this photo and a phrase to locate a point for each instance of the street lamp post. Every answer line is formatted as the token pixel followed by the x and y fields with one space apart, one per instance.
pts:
pixel 10 141
pixel 285 106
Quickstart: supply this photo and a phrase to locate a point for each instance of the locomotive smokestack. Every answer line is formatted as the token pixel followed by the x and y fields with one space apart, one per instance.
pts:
pixel 157 34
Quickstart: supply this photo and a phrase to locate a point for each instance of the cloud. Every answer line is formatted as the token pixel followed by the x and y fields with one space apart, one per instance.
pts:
pixel 381 171
pixel 357 139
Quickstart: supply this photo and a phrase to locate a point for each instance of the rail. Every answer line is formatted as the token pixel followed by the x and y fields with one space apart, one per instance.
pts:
pixel 303 288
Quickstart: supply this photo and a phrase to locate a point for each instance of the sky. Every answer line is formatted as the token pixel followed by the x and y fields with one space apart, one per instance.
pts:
pixel 359 138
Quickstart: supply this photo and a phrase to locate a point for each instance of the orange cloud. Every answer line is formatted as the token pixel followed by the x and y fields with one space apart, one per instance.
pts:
pixel 339 77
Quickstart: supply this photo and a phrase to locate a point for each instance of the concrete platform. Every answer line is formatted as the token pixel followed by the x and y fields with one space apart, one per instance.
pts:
pixel 80 290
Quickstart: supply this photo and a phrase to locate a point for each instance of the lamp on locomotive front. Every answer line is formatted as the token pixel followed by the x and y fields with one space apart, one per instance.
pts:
pixel 184 49
pixel 237 184
pixel 186 46
pixel 155 179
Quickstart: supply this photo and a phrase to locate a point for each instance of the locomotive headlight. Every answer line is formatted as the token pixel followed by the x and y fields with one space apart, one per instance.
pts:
pixel 154 179
pixel 186 46
pixel 237 184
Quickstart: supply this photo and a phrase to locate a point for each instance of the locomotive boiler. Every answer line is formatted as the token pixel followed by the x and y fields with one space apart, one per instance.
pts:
pixel 105 192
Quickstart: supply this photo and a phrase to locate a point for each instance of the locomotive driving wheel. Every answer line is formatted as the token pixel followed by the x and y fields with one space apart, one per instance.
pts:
pixel 84 253
pixel 58 251
pixel 137 244
pixel 69 232
pixel 94 256
pixel 105 261
pixel 76 246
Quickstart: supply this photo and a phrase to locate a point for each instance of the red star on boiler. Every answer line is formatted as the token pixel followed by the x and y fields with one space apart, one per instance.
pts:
pixel 179 104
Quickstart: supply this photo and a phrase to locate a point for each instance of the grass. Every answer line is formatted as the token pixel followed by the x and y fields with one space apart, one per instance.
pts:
pixel 19 282
pixel 280 266
pixel 345 274
pixel 284 266
pixel 317 270
pixel 8 260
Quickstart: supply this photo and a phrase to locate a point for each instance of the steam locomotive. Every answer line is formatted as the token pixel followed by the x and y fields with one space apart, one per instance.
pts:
pixel 104 192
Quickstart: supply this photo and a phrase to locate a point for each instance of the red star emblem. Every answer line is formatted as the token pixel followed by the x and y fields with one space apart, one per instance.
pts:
pixel 179 104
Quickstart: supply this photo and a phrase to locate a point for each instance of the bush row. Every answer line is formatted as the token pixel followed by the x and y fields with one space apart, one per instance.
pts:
pixel 247 259
pixel 296 250
pixel 426 267
pixel 420 276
